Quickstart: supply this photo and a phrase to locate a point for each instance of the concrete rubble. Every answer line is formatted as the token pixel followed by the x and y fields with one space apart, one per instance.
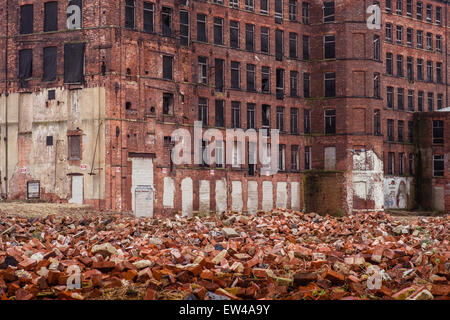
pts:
pixel 280 254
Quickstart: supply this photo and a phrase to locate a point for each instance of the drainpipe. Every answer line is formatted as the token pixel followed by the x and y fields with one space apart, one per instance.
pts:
pixel 6 100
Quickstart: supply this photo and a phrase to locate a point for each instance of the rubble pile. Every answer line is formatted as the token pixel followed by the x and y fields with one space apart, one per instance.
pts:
pixel 275 255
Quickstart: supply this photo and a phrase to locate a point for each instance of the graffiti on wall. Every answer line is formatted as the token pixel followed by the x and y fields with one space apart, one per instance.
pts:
pixel 397 192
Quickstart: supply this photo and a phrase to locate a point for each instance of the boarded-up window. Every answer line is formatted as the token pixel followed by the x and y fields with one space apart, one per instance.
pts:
pixel 74 62
pixel 25 66
pixel 49 64
pixel 26 19
pixel 74 147
pixel 168 103
pixel 50 16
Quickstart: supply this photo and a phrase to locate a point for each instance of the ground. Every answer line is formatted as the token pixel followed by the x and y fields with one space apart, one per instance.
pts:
pixel 280 254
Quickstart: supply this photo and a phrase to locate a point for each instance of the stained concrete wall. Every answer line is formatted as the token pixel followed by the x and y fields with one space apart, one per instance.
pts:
pixel 31 117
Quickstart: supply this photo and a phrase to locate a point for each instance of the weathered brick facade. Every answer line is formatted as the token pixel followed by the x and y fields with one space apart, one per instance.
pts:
pixel 122 120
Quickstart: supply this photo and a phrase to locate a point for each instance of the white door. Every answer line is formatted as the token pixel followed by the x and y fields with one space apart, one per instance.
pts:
pixel 77 190
pixel 141 175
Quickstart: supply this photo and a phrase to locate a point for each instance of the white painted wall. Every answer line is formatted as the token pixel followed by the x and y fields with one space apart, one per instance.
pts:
pixel 169 192
pixel 141 175
pixel 282 195
pixel 204 196
pixel 221 196
pixel 267 191
pixel 252 197
pixel 186 197
pixel 295 195
pixel 397 192
pixel 236 196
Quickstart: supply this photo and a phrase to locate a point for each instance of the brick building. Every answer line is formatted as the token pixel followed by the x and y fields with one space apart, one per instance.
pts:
pixel 91 92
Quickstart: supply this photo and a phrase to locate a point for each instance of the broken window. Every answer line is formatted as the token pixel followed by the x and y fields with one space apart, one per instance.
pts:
pixel 330 84
pixel 305 47
pixel 308 158
pixel 50 16
pixel 26 19
pixel 401 163
pixel 293 10
pixel 218 30
pixel 201 28
pixel 306 121
pixel 251 77
pixel 166 21
pixel 202 70
pixel 264 6
pixel 292 45
pixel 376 47
pixel 149 9
pixel 265 79
pixel 249 37
pixel 280 118
pixel 49 64
pixel 377 123
pixel 391 162
pixel 235 114
pixel 235 76
pixel 279 83
pixel 439 72
pixel 400 130
pixel 430 101
pixel 265 39
pixel 279 52
pixel 390 129
pixel 265 115
pixel 184 28
pixel 410 131
pixel 168 103
pixel 390 97
pixel 218 74
pixel 295 163
pixel 249 5
pixel 25 66
pixel 389 63
pixel 438 165
pixel 376 85
pixel 294 83
pixel 129 14
pixel 305 12
pixel 294 120
pixel 74 147
pixel 168 67
pixel 219 113
pixel 400 98
pixel 203 111
pixel 388 5
pixel 74 62
pixel 438 131
pixel 411 164
pixel 411 100
pixel 306 85
pixel 251 115
pixel 278 11
pixel 420 101
pixel 329 47
pixel 419 69
pixel 440 98
pixel 328 11
pixel 399 66
pixel 409 69
pixel 234 34
pixel 330 121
